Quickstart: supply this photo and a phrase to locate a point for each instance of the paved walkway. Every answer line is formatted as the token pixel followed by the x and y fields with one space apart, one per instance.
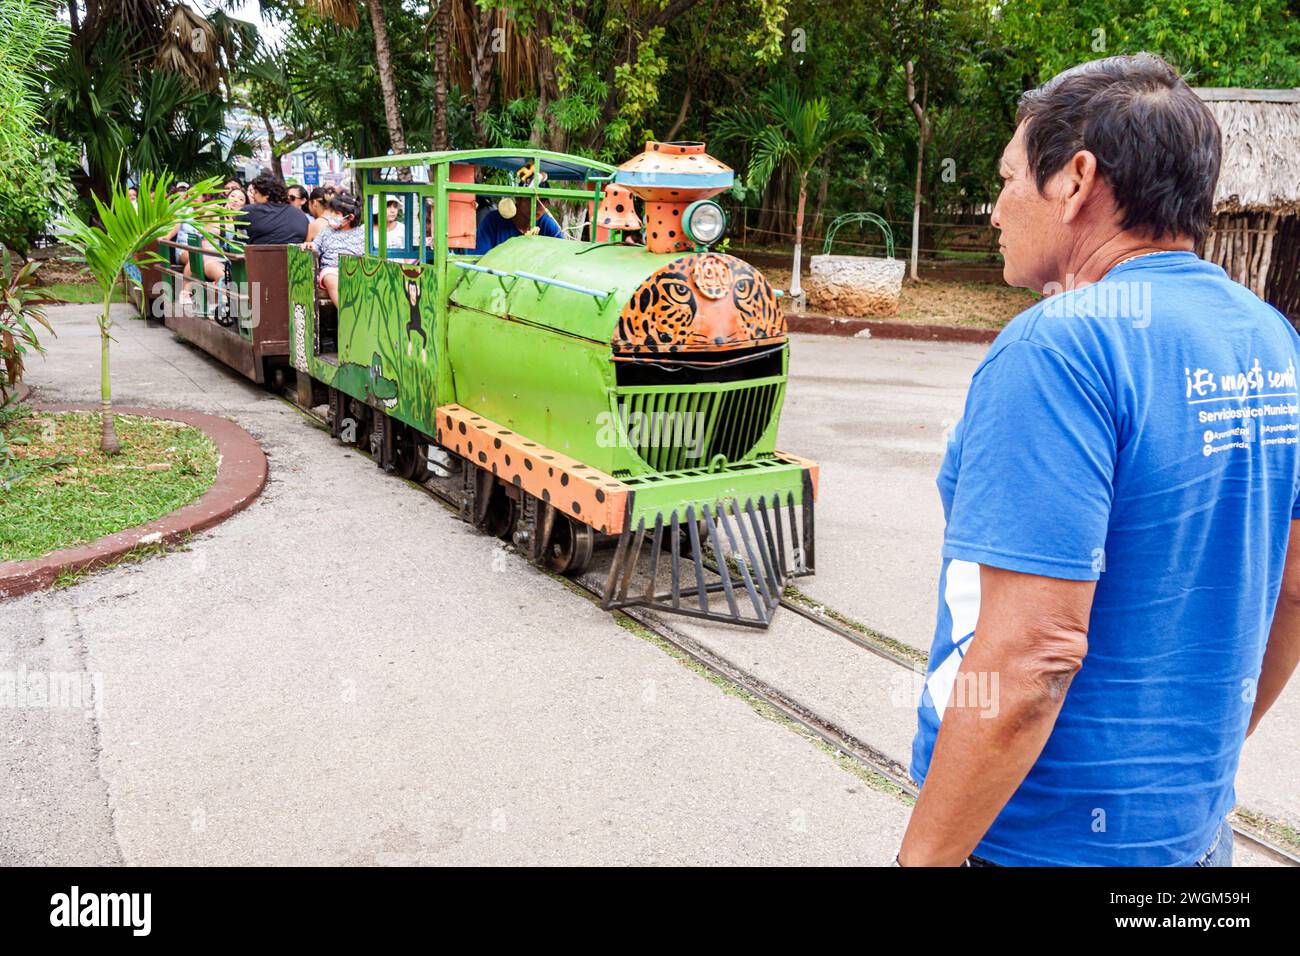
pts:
pixel 345 673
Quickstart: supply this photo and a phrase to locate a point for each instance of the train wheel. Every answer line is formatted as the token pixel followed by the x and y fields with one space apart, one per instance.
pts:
pixel 572 546
pixel 492 510
pixel 410 453
pixel 357 421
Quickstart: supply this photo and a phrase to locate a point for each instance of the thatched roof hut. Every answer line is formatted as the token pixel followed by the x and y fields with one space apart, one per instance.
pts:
pixel 1256 233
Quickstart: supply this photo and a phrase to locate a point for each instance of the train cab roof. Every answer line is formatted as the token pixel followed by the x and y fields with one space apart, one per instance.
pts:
pixel 556 166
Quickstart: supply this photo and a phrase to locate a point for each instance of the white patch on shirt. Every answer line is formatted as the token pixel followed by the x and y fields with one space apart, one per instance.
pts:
pixel 961 592
pixel 940 683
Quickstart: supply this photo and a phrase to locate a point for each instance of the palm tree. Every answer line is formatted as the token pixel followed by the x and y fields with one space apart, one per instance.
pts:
pixel 127 229
pixel 344 12
pixel 785 130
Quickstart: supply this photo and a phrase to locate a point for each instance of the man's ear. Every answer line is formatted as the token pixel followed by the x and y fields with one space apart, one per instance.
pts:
pixel 1079 180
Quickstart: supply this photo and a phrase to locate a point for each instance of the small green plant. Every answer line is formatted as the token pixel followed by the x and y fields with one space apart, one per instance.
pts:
pixel 128 230
pixel 21 310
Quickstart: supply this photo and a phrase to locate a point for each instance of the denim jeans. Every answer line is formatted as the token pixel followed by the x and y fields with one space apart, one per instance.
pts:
pixel 1219 853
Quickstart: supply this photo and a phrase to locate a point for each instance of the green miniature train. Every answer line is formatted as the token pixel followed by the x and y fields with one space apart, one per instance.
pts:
pixel 590 392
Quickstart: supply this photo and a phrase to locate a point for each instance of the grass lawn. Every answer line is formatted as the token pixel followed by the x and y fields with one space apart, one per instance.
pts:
pixel 57 490
pixel 81 292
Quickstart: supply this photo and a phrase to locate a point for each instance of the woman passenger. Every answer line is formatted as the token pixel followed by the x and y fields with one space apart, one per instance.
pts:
pixel 343 236
pixel 318 201
pixel 214 266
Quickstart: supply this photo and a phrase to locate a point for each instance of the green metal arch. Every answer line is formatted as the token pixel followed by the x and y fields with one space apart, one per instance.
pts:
pixel 852 218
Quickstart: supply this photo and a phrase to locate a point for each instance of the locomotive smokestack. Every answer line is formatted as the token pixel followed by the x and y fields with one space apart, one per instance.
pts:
pixel 669 177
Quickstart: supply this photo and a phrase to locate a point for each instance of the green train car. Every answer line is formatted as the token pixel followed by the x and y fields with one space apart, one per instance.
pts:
pixel 591 392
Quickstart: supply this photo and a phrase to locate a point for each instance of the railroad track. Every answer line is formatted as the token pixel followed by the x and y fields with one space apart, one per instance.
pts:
pixel 872 763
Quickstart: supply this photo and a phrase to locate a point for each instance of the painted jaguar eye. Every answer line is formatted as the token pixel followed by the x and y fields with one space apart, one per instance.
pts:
pixel 678 289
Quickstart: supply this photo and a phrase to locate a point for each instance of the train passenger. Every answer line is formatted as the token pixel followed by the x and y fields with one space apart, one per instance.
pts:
pixel 318 206
pixel 298 199
pixel 214 266
pixel 396 232
pixel 180 233
pixel 269 219
pixel 510 219
pixel 344 236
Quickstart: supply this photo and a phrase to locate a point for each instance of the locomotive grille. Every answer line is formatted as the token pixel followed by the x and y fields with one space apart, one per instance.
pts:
pixel 673 428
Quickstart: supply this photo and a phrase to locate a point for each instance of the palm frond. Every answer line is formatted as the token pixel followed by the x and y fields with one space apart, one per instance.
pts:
pixel 342 12
pixel 127 228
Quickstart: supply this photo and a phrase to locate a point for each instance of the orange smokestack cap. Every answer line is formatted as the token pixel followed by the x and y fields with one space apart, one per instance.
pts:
pixel 669 177
pixel 617 210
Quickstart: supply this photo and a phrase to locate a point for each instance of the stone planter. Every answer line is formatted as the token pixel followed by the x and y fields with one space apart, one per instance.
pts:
pixel 855 285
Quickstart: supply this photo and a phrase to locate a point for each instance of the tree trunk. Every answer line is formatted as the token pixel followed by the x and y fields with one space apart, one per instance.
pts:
pixel 822 187
pixel 918 110
pixel 681 114
pixel 481 70
pixel 916 207
pixel 277 165
pixel 539 136
pixel 441 67
pixel 108 443
pixel 384 64
pixel 796 286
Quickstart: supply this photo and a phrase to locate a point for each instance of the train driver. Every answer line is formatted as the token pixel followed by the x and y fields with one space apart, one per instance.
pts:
pixel 510 219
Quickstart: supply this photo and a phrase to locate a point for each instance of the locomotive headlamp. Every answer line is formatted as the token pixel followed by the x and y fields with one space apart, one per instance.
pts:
pixel 704 222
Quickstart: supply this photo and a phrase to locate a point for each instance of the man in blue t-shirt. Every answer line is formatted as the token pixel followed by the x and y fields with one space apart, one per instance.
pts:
pixel 1119 599
pixel 510 219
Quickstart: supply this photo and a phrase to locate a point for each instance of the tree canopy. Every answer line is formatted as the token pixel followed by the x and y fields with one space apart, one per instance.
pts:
pixel 146 84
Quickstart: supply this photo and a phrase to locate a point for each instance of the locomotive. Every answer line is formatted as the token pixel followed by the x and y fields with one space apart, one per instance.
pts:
pixel 589 393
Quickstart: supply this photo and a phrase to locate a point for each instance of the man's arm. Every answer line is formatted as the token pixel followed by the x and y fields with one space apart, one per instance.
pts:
pixel 1283 651
pixel 1030 639
pixel 547 226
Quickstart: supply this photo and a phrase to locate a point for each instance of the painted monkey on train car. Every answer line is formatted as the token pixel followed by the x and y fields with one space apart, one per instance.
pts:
pixel 415 326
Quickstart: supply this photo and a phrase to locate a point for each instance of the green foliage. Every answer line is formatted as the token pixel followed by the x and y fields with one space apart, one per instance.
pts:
pixel 1214 42
pixel 42 193
pixel 126 228
pixel 127 115
pixel 785 129
pixel 21 309
pixel 31 37
pixel 33 165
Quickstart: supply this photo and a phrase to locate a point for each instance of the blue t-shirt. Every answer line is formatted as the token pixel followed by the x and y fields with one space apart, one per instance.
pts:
pixel 496 229
pixel 1140 432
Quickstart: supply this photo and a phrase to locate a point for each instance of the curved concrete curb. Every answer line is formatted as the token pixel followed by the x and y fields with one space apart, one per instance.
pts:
pixel 241 476
pixel 815 324
pixel 24 392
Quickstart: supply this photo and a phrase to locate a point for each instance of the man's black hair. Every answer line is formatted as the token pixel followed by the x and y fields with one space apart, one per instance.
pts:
pixel 1157 145
pixel 271 188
